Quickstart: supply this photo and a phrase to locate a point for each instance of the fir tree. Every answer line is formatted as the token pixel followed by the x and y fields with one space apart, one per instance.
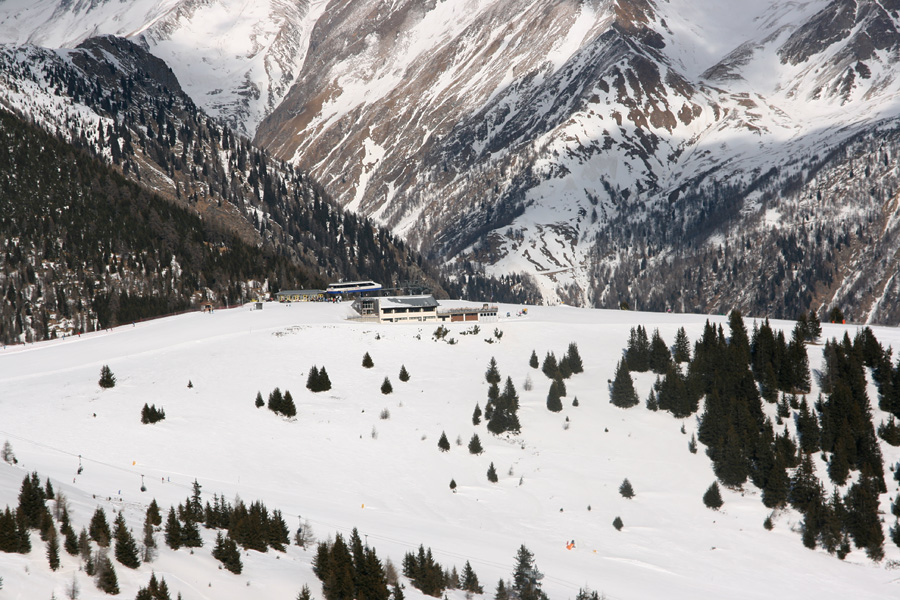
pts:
pixel 453 484
pixel 444 443
pixel 573 358
pixel 190 533
pixel 626 490
pixel 304 594
pixel 312 380
pixel 475 445
pixel 226 552
pixel 660 356
pixel 259 400
pixel 149 540
pixel 637 353
pixel 288 408
pixel 526 577
pixel 682 351
pixel 126 549
pixel 492 375
pixel 492 474
pixel 533 361
pixel 107 379
pixel 501 593
pixel 276 401
pixel 367 361
pixel 622 392
pixel 99 528
pixel 469 581
pixel 617 523
pixel 404 374
pixel 476 415
pixel 386 387
pixel 554 404
pixel 814 327
pixel 712 498
pixel 106 578
pixel 53 550
pixel 324 382
pixel 173 531
pixel 550 367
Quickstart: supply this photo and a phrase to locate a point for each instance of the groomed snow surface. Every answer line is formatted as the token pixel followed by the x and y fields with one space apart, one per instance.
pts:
pixel 340 465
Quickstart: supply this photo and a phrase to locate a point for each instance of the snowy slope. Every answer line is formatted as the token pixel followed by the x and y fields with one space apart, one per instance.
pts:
pixel 236 58
pixel 339 465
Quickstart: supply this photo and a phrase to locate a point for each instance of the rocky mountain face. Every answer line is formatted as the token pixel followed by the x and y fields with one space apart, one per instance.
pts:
pixel 613 150
pixel 574 139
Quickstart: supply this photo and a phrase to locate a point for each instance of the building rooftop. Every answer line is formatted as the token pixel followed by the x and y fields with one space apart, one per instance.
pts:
pixel 408 301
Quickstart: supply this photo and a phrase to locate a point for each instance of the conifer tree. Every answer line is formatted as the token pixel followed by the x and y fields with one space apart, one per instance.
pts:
pixel 386 387
pixel 492 474
pixel 106 578
pixel 404 374
pixel 276 400
pixel 312 380
pixel 573 358
pixel 660 356
pixel 444 443
pixel 173 531
pixel 622 392
pixel 533 361
pixel 226 552
pixel 99 528
pixel 626 489
pixel 618 524
pixel 31 502
pixel 682 351
pixel 550 367
pixel 148 541
pixel 492 375
pixel 501 593
pixel 259 400
pixel 526 577
pixel 712 498
pixel 453 484
pixel 367 361
pixel 304 594
pixel 476 415
pixel 814 327
pixel 469 581
pixel 53 549
pixel 475 445
pixel 190 533
pixel 70 543
pixel 107 379
pixel 637 353
pixel 288 408
pixel 504 410
pixel 324 382
pixel 126 549
pixel 554 404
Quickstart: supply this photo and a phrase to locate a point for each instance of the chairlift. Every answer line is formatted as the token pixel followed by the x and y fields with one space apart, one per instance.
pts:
pixel 80 467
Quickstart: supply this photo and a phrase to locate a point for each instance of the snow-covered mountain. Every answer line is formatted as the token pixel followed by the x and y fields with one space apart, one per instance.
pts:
pixel 340 464
pixel 517 133
pixel 236 58
pixel 573 140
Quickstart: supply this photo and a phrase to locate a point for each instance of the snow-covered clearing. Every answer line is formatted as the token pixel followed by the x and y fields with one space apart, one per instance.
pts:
pixel 340 465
